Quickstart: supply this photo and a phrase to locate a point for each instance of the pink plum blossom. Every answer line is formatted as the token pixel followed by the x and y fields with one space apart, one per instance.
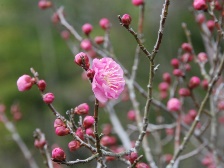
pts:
pixel 108 81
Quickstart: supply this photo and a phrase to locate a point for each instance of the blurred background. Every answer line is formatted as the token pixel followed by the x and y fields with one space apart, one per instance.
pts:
pixel 28 38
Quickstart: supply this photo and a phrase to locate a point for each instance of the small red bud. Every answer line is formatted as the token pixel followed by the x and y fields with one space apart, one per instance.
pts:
pixel 131 115
pixel 87 28
pixel 39 143
pixel 61 131
pixel 192 113
pixel 90 73
pixel 65 34
pixel 58 154
pixel 204 84
pixel 108 140
pixel 82 60
pixel 107 128
pixel 163 86
pixel 211 25
pixel 137 2
pixel 221 105
pixel 184 92
pixel 58 123
pixel 90 132
pixel 200 5
pixel 175 63
pixel 126 19
pixel 82 109
pixel 174 105
pixel 141 165
pixel 200 18
pixel 167 77
pixel 44 4
pixel 48 98
pixel 194 82
pixel 132 157
pixel 202 57
pixel 186 47
pixel 86 44
pixel 41 85
pixel 73 145
pixel 187 57
pixel 104 23
pixel 79 133
pixel 88 121
pixel 99 39
pixel 24 83
pixel 178 73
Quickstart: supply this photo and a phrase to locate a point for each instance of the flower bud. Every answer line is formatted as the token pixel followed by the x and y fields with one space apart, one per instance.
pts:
pixel 187 67
pixel 178 73
pixel 55 18
pixel 132 157
pixel 107 128
pixel 174 105
pixel 58 154
pixel 44 4
pixel 104 23
pixel 163 86
pixel 87 28
pixel 187 57
pixel 61 131
pixel 194 82
pixel 184 92
pixel 41 85
pixel 131 115
pixel 204 84
pixel 167 77
pixel 90 132
pixel 200 18
pixel 24 83
pixel 175 63
pixel 86 44
pixel 58 123
pixel 90 73
pixel 200 5
pixel 39 143
pixel 65 34
pixel 211 25
pixel 163 94
pixel 186 47
pixel 82 60
pixel 48 98
pixel 126 19
pixel 79 133
pixel 88 121
pixel 141 165
pixel 202 57
pixel 99 39
pixel 108 140
pixel 73 145
pixel 82 109
pixel 167 158
pixel 137 2
pixel 192 113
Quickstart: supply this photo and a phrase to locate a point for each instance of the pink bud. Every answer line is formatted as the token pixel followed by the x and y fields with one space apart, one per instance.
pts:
pixel 73 145
pixel 186 47
pixel 141 165
pixel 82 109
pixel 167 77
pixel 132 157
pixel 175 63
pixel 82 60
pixel 87 28
pixel 218 6
pixel 58 154
pixel 178 73
pixel 92 53
pixel 79 133
pixel 221 105
pixel 86 45
pixel 184 92
pixel 163 86
pixel 61 131
pixel 90 73
pixel 192 113
pixel 204 84
pixel 65 34
pixel 48 98
pixel 55 18
pixel 202 57
pixel 194 82
pixel 187 119
pixel 58 123
pixel 41 85
pixel 174 104
pixel 88 121
pixel 99 39
pixel 187 67
pixel 90 132
pixel 44 4
pixel 200 5
pixel 104 23
pixel 24 83
pixel 187 57
pixel 210 24
pixel 137 2
pixel 163 94
pixel 108 140
pixel 200 18
pixel 39 143
pixel 126 19
pixel 107 128
pixel 131 115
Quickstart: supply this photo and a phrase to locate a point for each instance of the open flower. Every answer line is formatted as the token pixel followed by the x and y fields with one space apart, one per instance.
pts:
pixel 108 81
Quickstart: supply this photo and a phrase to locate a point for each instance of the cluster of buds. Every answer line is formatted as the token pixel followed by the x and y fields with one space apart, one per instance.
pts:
pixel 60 128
